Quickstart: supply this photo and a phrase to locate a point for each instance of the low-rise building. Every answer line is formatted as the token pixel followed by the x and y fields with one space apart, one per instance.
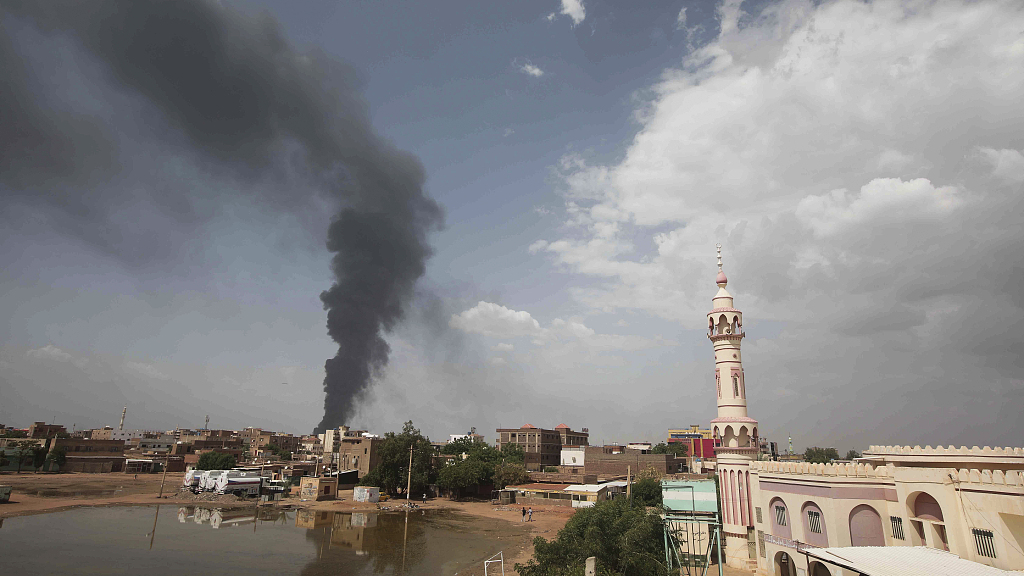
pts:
pixel 542 447
pixel 90 455
pixel 44 430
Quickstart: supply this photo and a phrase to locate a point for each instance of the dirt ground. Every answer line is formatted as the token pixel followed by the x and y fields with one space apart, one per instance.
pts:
pixel 41 493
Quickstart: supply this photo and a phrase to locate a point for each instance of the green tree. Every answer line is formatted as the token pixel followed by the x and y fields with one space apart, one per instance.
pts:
pixel 676 448
pixel 3 458
pixel 460 446
pixel 852 454
pixel 511 452
pixel 551 469
pixel 216 461
pixel 23 452
pixel 12 433
pixel 647 492
pixel 462 475
pixel 510 474
pixel 58 456
pixel 623 535
pixel 818 455
pixel 39 456
pixel 390 473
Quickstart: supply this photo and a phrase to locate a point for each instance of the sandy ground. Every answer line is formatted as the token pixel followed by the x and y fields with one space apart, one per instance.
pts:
pixel 41 493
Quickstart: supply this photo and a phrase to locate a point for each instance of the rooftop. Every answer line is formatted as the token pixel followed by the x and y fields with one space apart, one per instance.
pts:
pixel 902 561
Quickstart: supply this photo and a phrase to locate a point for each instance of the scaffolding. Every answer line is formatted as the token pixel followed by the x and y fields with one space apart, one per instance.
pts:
pixel 693 528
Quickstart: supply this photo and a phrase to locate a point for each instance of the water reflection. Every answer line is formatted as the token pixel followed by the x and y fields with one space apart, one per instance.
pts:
pixel 156 541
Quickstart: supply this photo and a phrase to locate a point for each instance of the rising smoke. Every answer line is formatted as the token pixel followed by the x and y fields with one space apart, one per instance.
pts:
pixel 231 91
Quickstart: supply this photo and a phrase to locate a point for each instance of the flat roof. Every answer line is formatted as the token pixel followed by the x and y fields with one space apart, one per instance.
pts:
pixel 902 561
pixel 585 487
pixel 536 486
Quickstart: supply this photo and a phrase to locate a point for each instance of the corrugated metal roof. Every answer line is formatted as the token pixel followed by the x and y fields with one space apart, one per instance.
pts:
pixel 902 561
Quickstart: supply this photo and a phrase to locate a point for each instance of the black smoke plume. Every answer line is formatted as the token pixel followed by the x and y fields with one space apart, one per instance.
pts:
pixel 231 91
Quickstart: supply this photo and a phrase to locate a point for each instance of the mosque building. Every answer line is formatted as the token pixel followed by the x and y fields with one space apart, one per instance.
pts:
pixel 787 519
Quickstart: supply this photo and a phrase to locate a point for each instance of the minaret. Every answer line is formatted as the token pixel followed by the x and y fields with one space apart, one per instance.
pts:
pixel 736 431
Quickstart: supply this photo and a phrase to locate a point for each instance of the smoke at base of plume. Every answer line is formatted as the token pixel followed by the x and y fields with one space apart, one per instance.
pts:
pixel 232 92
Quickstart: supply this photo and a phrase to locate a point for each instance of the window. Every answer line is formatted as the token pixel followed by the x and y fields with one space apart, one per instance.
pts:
pixel 757 510
pixel 718 383
pixel 780 515
pixel 736 386
pixel 814 521
pixel 897 527
pixel 760 535
pixel 983 540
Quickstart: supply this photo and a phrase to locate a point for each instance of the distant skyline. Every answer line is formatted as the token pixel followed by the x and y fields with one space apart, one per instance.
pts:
pixel 860 162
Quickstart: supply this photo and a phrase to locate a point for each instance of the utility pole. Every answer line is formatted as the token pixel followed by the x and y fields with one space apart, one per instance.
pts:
pixel 408 486
pixel 629 485
pixel 164 477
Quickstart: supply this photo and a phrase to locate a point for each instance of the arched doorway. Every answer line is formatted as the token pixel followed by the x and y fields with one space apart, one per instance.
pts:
pixel 818 569
pixel 866 527
pixel 928 522
pixel 780 518
pixel 784 565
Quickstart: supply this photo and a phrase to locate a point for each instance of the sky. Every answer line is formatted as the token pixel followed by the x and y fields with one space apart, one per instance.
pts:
pixel 861 164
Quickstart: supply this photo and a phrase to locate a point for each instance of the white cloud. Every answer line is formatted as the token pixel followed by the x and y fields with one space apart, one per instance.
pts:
pixel 1007 165
pixel 834 150
pixel 681 19
pixel 147 370
pixel 575 10
pixel 508 132
pixel 492 319
pixel 498 361
pixel 531 70
pixel 49 352
pixel 502 347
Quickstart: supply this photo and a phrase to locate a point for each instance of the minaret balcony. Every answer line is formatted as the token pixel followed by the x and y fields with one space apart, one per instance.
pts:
pixel 717 337
pixel 738 450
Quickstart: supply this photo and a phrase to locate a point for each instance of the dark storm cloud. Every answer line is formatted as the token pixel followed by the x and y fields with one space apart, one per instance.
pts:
pixel 231 92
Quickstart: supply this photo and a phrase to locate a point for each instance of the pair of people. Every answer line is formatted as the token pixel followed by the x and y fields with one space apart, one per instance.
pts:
pixel 525 512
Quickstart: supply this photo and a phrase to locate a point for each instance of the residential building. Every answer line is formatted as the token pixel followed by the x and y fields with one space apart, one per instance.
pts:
pixel 90 455
pixel 542 447
pixel 44 430
pixel 472 435
pixel 614 462
pixel 360 453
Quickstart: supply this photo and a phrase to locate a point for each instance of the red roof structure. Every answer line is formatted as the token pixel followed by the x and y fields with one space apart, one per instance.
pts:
pixel 562 427
pixel 529 426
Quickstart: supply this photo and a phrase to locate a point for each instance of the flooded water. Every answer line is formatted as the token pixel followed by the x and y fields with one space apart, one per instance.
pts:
pixel 172 540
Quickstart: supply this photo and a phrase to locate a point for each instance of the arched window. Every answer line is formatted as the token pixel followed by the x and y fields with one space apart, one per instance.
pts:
pixel 735 386
pixel 780 519
pixel 866 527
pixel 718 382
pixel 814 525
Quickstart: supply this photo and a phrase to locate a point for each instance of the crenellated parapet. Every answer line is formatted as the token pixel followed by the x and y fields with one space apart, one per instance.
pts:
pixel 999 478
pixel 952 450
pixel 989 477
pixel 809 468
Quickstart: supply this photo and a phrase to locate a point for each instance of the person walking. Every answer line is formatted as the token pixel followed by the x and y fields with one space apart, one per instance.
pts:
pixel 530 512
pixel 524 513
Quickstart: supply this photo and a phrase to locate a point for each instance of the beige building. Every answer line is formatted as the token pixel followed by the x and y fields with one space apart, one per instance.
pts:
pixel 542 447
pixel 967 501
